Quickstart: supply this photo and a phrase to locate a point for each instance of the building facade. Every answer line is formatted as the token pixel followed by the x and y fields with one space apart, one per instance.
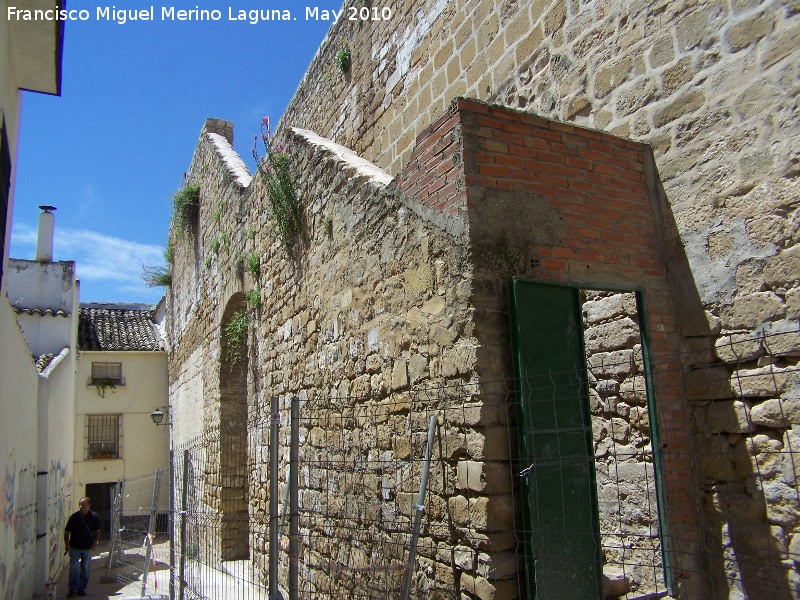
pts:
pixel 646 148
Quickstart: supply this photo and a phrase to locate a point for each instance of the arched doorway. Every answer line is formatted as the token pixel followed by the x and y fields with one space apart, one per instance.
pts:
pixel 233 431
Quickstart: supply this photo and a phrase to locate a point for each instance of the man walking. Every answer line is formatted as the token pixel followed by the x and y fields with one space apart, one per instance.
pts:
pixel 80 537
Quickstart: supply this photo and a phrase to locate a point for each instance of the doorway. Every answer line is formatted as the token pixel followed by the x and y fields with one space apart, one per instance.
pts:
pixel 100 495
pixel 587 442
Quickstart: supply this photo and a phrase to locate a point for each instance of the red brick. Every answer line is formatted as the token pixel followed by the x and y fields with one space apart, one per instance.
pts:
pixel 493 170
pixel 511 161
pixel 551 157
pixel 562 252
pixel 518 128
pixel 581 185
pixel 493 146
pixel 513 138
pixel 551 179
pixel 587 232
pixel 553 264
pixel 491 122
pixel 521 151
pixel 472 106
pixel 537 122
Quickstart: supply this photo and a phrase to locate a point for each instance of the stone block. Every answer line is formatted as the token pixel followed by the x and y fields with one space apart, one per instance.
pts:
pixel 777 413
pixel 711 383
pixel 782 338
pixel 616 582
pixel 738 347
pixel 633 390
pixel 477 587
pixel 632 99
pixel 763 382
pixel 715 458
pixel 662 51
pixel 782 506
pixel 399 374
pixel 458 506
pixel 418 368
pixel 471 476
pixel 459 359
pixel 686 103
pixel 610 78
pixel 614 335
pixel 748 31
pixel 729 416
pixel 612 364
pixel 780 46
pixel 790 458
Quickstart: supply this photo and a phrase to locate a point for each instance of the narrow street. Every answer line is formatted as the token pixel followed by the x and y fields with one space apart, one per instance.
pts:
pixel 121 583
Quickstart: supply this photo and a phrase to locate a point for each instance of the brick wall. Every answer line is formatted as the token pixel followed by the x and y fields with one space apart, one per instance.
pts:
pixel 589 191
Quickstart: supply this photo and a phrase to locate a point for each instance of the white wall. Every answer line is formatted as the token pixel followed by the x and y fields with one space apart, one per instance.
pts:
pixel 55 500
pixel 10 107
pixel 143 446
pixel 18 452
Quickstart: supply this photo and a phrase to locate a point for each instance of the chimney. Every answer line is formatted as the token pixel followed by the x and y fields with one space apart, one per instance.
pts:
pixel 44 247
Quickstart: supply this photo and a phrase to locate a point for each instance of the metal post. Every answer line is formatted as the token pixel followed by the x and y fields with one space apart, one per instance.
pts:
pixel 294 529
pixel 171 522
pixel 150 529
pixel 184 506
pixel 115 493
pixel 274 594
pixel 418 507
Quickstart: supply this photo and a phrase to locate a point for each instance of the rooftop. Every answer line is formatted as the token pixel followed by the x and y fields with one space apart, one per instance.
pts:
pixel 118 327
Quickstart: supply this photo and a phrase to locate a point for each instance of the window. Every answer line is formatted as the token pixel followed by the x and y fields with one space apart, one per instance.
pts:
pixel 103 434
pixel 107 373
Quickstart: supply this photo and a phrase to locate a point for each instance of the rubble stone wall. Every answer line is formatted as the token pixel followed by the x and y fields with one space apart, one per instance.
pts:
pixel 712 87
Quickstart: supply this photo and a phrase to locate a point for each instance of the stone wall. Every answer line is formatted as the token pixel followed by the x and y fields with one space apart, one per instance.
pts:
pixel 396 286
pixel 712 87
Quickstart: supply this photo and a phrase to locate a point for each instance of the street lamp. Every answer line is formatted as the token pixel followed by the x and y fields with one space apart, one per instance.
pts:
pixel 158 416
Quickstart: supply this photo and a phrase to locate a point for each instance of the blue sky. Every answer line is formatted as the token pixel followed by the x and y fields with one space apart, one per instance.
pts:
pixel 109 152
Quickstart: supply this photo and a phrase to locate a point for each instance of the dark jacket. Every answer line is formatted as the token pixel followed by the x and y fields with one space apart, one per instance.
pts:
pixel 82 530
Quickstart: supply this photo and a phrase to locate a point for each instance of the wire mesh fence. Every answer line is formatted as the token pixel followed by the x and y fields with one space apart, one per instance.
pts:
pixel 140 533
pixel 499 519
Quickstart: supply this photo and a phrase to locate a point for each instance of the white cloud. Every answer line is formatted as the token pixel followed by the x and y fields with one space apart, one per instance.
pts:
pixel 103 262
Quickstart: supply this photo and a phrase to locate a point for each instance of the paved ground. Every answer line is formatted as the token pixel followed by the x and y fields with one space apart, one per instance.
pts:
pixel 122 582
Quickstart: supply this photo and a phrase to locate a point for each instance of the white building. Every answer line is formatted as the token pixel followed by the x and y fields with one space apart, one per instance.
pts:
pixel 121 379
pixel 35 391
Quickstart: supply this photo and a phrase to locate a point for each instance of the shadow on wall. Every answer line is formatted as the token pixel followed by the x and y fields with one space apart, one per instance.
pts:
pixel 746 509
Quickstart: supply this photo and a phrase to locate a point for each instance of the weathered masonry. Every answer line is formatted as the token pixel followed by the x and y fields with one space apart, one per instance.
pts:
pixel 658 247
pixel 398 286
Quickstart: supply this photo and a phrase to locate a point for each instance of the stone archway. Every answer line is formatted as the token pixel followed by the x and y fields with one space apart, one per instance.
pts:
pixel 233 437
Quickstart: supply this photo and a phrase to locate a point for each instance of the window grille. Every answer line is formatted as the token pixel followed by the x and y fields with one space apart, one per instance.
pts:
pixel 103 436
pixel 102 371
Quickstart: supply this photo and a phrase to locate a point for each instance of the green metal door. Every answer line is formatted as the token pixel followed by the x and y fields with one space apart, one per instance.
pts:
pixel 559 496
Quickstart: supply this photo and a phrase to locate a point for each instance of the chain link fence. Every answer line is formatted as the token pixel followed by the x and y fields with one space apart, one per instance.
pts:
pixel 360 463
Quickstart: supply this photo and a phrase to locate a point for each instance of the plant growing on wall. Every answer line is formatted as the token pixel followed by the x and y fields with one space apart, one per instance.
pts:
pixel 254 264
pixel 254 299
pixel 215 245
pixel 236 335
pixel 169 253
pixel 343 58
pixel 284 204
pixel 186 207
pixel 156 276
pixel 104 384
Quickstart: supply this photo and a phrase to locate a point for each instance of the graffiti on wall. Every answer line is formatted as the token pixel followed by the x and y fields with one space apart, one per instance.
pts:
pixel 59 501
pixel 25 506
pixel 17 530
pixel 8 488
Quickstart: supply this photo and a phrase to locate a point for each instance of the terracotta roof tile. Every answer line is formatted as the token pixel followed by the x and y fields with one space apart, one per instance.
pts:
pixel 41 311
pixel 44 360
pixel 109 327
